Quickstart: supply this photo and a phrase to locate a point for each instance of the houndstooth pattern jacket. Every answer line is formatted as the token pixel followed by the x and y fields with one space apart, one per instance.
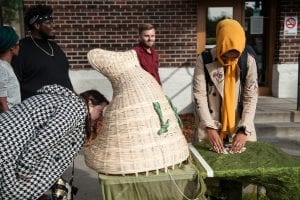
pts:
pixel 38 140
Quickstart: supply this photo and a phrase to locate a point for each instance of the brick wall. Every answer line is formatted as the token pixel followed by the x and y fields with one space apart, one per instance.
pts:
pixel 82 25
pixel 287 47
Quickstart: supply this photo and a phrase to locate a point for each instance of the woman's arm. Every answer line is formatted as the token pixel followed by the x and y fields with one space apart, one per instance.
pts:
pixel 3 90
pixel 200 96
pixel 3 104
pixel 250 96
pixel 64 120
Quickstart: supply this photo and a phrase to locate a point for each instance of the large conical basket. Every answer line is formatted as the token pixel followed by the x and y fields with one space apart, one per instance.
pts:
pixel 141 129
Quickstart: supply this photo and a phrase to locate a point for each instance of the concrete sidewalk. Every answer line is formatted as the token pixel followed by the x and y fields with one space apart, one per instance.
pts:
pixel 87 181
pixel 269 104
pixel 277 121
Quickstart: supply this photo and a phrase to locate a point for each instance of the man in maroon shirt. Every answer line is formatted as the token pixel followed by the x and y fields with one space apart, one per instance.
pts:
pixel 146 54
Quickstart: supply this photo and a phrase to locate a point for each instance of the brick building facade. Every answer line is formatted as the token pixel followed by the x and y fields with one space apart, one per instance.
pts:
pixel 287 51
pixel 287 47
pixel 112 24
pixel 82 25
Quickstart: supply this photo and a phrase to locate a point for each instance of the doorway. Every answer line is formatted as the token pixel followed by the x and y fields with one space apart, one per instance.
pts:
pixel 258 20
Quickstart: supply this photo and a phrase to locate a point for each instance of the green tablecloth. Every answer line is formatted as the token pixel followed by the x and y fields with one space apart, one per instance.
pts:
pixel 164 186
pixel 261 164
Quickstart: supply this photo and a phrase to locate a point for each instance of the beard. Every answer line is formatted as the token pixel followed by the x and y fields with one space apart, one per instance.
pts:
pixel 46 36
pixel 147 44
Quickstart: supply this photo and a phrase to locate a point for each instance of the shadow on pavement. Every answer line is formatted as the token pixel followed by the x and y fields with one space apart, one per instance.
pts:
pixel 85 179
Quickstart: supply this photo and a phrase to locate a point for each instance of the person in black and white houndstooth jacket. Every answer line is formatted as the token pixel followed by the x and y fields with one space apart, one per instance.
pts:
pixel 38 140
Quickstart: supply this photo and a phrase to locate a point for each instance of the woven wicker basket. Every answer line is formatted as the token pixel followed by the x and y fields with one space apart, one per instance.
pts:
pixel 130 141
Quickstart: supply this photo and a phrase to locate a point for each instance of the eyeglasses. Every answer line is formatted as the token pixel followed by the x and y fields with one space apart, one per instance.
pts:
pixel 48 22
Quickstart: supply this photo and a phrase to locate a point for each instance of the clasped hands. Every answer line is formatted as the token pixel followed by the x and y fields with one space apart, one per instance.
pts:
pixel 216 142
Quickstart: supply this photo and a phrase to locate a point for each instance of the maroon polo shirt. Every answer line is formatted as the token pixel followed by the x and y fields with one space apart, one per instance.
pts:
pixel 148 61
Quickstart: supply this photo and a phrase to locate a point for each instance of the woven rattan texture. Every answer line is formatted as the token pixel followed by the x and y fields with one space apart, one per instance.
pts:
pixel 129 141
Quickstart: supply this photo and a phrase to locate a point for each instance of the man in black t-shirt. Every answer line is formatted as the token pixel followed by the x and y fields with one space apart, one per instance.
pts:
pixel 40 61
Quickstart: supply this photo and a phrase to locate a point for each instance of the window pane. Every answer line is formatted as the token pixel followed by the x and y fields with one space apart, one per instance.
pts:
pixel 214 15
pixel 255 23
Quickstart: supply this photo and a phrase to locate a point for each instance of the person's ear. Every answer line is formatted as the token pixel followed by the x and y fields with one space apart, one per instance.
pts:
pixel 36 26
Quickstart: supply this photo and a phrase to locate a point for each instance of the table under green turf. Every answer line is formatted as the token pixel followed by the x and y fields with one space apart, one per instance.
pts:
pixel 261 164
pixel 173 184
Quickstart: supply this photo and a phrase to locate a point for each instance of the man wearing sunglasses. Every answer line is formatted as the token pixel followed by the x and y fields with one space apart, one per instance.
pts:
pixel 40 61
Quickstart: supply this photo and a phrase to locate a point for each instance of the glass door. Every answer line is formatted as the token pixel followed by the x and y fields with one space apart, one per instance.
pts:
pixel 255 27
pixel 209 13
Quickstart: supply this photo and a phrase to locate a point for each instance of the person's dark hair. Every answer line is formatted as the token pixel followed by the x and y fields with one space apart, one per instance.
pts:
pixel 94 96
pixel 145 27
pixel 35 10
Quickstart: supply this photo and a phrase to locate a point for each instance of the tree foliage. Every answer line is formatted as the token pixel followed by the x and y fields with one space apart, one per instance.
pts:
pixel 9 10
